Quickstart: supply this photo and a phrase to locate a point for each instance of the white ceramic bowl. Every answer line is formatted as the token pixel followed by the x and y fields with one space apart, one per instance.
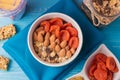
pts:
pixel 46 17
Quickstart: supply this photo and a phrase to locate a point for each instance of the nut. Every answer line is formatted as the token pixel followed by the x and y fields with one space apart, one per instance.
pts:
pixel 46 43
pixel 63 44
pixel 68 54
pixel 44 54
pixel 35 37
pixel 39 29
pixel 47 36
pixel 57 48
pixel 52 45
pixel 40 37
pixel 57 41
pixel 72 50
pixel 61 53
pixel 52 38
pixel 67 48
pixel 52 54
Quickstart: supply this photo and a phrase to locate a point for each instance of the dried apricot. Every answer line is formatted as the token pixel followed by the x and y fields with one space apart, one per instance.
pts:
pixel 72 31
pixel 64 35
pixel 56 21
pixel 111 64
pixel 55 29
pixel 73 43
pixel 45 25
pixel 67 25
pixel 101 57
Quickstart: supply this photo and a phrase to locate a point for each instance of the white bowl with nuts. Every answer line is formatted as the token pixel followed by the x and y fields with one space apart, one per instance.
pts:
pixel 55 39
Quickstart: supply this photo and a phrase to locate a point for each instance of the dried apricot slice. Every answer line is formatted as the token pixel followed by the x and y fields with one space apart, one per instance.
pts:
pixel 111 64
pixel 100 74
pixel 45 25
pixel 56 21
pixel 109 75
pixel 74 41
pixel 72 31
pixel 55 29
pixel 92 69
pixel 64 35
pixel 101 57
pixel 67 25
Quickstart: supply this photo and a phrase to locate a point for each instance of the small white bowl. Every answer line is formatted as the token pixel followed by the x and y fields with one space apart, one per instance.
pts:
pixel 46 17
pixel 104 50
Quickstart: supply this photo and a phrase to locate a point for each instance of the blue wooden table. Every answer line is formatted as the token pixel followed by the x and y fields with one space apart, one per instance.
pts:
pixel 111 36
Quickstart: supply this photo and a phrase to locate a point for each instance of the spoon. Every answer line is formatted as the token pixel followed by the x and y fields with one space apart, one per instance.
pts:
pixel 102 49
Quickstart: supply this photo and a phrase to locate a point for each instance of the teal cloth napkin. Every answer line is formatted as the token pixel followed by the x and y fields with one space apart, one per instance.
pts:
pixel 17 46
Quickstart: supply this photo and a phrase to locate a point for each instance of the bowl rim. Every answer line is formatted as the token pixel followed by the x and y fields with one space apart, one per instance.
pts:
pixel 55 64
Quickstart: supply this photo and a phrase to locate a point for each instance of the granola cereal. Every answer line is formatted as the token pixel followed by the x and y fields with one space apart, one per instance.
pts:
pixel 3 63
pixel 107 7
pixel 7 31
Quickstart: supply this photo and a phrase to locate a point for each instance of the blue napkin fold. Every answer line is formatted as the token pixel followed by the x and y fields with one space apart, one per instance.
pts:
pixel 17 46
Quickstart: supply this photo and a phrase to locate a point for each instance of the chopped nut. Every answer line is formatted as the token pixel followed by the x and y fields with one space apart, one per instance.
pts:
pixel 4 63
pixel 63 44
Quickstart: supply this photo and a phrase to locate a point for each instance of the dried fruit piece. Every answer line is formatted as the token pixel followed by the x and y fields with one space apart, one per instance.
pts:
pixel 92 70
pixel 57 41
pixel 45 25
pixel 101 57
pixel 67 25
pixel 111 64
pixel 55 29
pixel 73 42
pixel 52 45
pixel 72 31
pixel 64 35
pixel 56 21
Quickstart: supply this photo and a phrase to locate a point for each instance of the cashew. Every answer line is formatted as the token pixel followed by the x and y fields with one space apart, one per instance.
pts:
pixel 40 37
pixel 57 41
pixel 52 45
pixel 57 48
pixel 63 44
pixel 68 54
pixel 35 36
pixel 47 36
pixel 72 50
pixel 61 53
pixel 52 38
pixel 46 43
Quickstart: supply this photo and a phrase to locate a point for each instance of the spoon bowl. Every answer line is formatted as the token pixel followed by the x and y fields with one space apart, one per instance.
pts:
pixel 104 50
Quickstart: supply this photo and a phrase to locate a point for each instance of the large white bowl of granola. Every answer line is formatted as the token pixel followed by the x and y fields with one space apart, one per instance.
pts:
pixel 55 39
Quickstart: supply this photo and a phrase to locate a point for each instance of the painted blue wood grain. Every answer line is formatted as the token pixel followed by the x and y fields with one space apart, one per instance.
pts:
pixel 111 33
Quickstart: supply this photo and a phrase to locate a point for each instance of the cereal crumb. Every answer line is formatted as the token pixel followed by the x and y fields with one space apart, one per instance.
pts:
pixel 7 31
pixel 3 63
